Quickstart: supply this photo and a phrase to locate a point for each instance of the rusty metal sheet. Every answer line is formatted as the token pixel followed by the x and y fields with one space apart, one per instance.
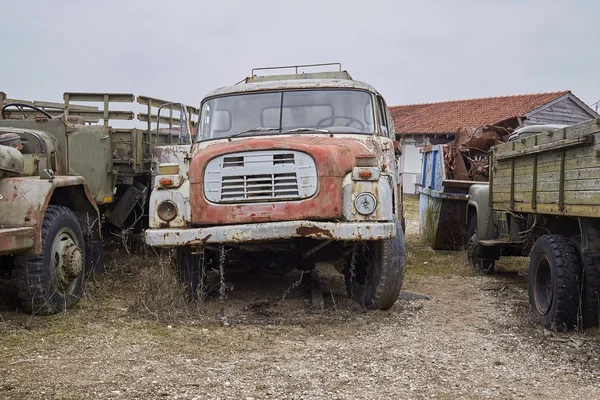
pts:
pixel 466 158
pixel 441 221
pixel 245 233
pixel 334 158
pixel 23 200
pixel 16 240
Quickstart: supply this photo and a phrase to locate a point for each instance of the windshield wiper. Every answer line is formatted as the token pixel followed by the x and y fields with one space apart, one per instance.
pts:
pixel 305 130
pixel 253 130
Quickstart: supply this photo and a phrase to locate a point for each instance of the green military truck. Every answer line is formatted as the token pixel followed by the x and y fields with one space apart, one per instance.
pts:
pixel 543 200
pixel 66 178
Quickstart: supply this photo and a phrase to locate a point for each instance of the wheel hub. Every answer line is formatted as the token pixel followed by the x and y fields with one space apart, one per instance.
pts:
pixel 73 261
pixel 68 259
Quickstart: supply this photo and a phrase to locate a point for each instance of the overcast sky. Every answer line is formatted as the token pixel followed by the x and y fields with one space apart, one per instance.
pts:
pixel 411 51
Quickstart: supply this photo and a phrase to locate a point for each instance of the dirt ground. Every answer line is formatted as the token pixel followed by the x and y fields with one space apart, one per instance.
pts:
pixel 134 337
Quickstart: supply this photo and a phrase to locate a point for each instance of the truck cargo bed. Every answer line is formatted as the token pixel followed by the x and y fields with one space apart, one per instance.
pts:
pixel 556 172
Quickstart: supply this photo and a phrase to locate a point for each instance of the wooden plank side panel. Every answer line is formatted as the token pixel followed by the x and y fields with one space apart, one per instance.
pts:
pixel 565 111
pixel 581 169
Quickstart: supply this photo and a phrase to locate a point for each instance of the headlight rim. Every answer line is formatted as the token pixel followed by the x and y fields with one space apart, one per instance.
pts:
pixel 362 195
pixel 160 211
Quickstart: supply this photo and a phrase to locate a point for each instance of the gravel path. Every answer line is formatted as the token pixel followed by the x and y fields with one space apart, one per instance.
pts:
pixel 472 339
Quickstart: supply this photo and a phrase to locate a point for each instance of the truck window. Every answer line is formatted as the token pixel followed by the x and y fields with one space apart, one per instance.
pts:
pixel 382 117
pixel 334 111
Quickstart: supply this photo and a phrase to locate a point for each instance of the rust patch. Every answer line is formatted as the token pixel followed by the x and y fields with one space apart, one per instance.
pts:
pixel 313 231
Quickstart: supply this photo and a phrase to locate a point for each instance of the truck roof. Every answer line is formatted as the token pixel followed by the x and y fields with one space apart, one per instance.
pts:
pixel 333 79
pixel 292 84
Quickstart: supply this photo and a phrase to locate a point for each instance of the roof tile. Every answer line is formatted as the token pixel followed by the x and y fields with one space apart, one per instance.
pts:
pixel 447 117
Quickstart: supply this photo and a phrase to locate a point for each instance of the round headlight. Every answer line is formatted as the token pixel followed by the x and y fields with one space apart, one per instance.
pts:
pixel 167 210
pixel 365 203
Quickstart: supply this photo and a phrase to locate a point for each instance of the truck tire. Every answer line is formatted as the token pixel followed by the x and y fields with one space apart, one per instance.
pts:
pixel 554 282
pixel 590 286
pixel 191 272
pixel 52 282
pixel 378 273
pixel 480 264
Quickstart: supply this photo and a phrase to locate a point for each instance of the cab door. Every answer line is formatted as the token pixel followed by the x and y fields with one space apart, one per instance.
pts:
pixel 89 152
pixel 391 151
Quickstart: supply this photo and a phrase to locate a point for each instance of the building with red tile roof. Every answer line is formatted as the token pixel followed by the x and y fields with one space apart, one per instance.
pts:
pixel 420 124
pixel 448 116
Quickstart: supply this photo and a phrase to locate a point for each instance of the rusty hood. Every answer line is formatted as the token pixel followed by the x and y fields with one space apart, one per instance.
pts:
pixel 334 157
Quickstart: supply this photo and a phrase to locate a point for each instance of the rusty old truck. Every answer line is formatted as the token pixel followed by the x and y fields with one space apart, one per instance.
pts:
pixel 543 200
pixel 66 179
pixel 287 171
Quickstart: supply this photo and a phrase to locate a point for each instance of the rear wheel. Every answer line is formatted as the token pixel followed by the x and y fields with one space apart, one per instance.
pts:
pixel 53 281
pixel 374 277
pixel 590 286
pixel 554 281
pixel 480 264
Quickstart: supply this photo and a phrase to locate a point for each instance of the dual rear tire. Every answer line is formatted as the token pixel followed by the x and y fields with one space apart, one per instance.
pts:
pixel 564 284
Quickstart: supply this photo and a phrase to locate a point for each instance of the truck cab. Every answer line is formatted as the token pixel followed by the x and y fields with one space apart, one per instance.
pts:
pixel 287 171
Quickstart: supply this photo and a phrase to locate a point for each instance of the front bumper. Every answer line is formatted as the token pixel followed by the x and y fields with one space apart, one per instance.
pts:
pixel 270 231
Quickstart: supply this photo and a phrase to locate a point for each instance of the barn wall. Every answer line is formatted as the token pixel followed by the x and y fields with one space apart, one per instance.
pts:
pixel 565 111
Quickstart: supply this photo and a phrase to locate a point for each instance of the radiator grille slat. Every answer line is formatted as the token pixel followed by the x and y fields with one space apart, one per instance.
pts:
pixel 259 176
pixel 243 187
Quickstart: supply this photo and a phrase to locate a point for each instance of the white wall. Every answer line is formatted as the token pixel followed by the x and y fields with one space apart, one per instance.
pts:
pixel 411 166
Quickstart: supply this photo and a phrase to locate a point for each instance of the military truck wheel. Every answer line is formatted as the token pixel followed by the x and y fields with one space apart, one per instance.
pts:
pixel 480 264
pixel 590 286
pixel 376 277
pixel 191 271
pixel 52 282
pixel 554 282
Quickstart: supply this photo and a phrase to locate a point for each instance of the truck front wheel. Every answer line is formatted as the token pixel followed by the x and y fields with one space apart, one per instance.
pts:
pixel 554 282
pixel 375 271
pixel 53 281
pixel 480 264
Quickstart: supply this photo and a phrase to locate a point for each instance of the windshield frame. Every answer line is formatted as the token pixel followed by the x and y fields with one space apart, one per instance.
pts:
pixel 281 130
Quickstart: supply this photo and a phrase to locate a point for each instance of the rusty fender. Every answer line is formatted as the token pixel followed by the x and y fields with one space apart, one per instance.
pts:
pixel 23 202
pixel 245 233
pixel 16 240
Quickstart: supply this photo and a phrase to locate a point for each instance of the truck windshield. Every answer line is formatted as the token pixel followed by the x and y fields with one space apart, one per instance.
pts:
pixel 331 111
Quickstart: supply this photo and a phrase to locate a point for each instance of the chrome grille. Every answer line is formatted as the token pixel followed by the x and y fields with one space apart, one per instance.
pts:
pixel 256 176
pixel 272 186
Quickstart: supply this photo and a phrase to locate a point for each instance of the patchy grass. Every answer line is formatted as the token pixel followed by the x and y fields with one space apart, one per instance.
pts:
pixel 422 260
pixel 411 207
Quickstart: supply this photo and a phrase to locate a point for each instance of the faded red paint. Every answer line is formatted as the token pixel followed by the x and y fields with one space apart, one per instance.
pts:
pixel 334 158
pixel 313 231
pixel 16 239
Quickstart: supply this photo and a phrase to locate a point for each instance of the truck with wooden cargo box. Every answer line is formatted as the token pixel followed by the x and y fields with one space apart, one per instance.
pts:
pixel 66 180
pixel 543 201
pixel 287 172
